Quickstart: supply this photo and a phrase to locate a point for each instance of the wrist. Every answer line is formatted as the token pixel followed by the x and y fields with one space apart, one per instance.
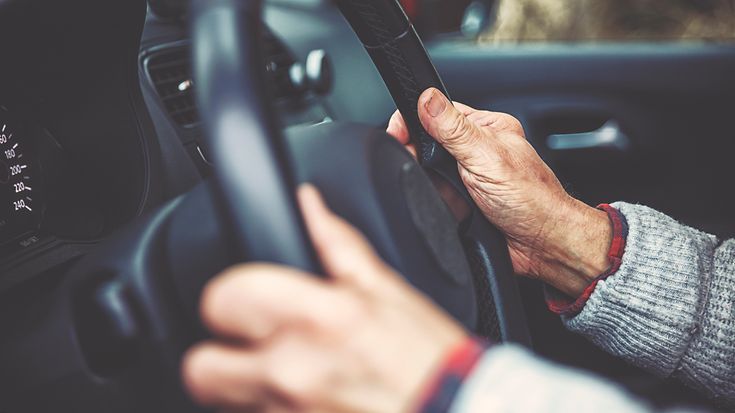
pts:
pixel 573 250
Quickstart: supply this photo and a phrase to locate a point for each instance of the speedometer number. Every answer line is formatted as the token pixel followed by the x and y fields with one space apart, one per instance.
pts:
pixel 18 212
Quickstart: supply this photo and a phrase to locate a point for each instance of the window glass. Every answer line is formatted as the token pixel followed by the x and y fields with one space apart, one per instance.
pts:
pixel 583 20
pixel 612 20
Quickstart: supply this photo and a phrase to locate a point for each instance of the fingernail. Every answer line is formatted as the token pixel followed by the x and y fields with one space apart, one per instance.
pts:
pixel 436 104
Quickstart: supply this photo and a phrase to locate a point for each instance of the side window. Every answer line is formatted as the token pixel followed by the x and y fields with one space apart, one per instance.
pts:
pixel 613 20
pixel 515 21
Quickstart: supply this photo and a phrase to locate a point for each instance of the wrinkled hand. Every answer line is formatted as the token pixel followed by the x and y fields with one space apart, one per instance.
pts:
pixel 551 236
pixel 361 340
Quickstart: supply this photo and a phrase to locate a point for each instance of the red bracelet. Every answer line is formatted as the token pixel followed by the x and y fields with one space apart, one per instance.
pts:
pixel 564 305
pixel 457 366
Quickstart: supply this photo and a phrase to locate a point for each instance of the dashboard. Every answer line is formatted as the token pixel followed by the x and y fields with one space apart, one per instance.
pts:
pixel 299 32
pixel 44 195
pixel 49 209
pixel 91 140
pixel 21 207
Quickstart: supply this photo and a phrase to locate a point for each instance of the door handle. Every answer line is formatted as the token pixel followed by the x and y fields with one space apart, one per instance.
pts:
pixel 608 136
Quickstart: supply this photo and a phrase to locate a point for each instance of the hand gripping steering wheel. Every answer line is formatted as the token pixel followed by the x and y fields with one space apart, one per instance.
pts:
pixel 365 176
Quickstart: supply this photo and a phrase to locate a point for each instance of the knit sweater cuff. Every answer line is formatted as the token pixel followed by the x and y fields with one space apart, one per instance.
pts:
pixel 511 379
pixel 564 305
pixel 440 391
pixel 648 311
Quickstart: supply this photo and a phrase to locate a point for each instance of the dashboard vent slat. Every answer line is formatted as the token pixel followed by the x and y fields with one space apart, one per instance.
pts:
pixel 170 73
pixel 168 70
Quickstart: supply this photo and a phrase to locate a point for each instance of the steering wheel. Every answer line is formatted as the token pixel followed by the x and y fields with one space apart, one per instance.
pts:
pixel 364 175
pixel 113 334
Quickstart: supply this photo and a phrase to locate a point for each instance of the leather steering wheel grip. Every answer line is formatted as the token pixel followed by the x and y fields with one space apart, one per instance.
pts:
pixel 254 180
pixel 406 68
pixel 399 55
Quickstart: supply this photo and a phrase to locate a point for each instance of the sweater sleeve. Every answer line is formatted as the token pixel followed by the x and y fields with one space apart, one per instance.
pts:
pixel 670 307
pixel 511 379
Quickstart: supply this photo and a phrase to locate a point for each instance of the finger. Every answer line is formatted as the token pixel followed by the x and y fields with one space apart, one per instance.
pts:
pixel 448 125
pixel 344 252
pixel 222 376
pixel 398 129
pixel 253 302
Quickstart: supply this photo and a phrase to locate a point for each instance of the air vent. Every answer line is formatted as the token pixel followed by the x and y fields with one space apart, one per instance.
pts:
pixel 169 70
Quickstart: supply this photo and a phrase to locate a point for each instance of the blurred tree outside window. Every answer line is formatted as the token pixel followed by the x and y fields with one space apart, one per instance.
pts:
pixel 589 20
pixel 613 20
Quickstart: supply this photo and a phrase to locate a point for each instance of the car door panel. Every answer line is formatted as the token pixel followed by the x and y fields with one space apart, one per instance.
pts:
pixel 673 102
pixel 670 146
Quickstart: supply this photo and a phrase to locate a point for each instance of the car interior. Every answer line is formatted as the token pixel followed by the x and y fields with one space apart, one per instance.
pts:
pixel 148 145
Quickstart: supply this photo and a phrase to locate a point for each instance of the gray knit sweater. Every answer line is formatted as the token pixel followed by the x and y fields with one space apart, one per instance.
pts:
pixel 670 309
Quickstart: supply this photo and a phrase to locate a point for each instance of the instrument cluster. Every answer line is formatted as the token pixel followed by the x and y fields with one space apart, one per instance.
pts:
pixel 21 198
pixel 47 198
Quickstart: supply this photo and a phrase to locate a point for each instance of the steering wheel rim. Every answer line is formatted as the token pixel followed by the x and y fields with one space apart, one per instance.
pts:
pixel 233 98
pixel 253 176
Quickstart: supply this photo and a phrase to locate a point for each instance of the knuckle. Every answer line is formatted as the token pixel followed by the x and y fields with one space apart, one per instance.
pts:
pixel 286 384
pixel 509 123
pixel 514 124
pixel 214 295
pixel 223 292
pixel 353 310
pixel 457 129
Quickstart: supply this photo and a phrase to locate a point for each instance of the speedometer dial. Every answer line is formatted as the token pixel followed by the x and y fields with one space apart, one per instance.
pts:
pixel 18 214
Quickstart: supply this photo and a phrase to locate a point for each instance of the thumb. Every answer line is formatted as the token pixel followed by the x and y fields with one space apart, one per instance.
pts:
pixel 447 125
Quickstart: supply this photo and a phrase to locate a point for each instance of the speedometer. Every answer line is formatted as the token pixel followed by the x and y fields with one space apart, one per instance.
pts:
pixel 18 214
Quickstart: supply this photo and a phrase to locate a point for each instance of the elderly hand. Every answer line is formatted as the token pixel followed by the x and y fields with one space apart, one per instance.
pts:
pixel 361 340
pixel 551 236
